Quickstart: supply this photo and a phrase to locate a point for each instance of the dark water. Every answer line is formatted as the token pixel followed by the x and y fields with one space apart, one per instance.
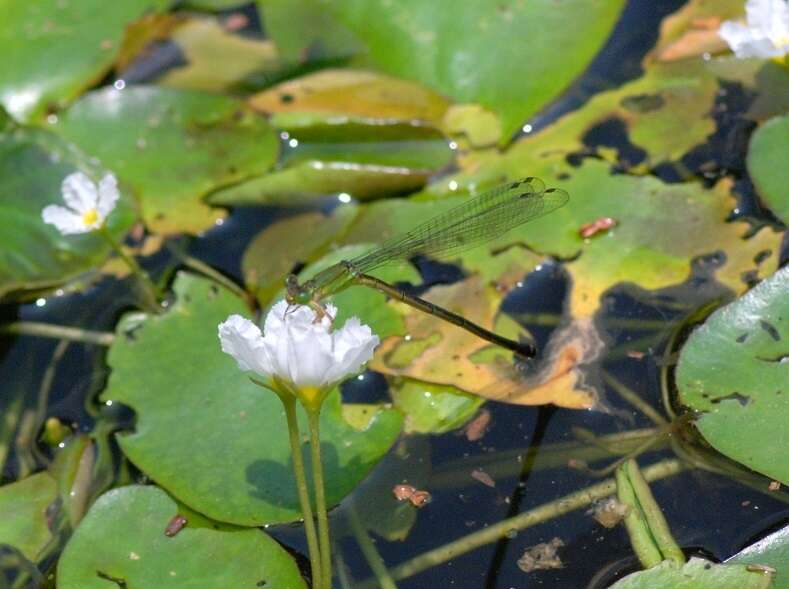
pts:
pixel 708 513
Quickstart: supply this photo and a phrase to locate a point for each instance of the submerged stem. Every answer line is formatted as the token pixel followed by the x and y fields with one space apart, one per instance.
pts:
pixel 313 416
pixel 61 332
pixel 152 294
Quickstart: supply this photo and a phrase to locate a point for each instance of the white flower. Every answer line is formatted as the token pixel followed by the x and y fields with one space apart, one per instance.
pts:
pixel 298 350
pixel 87 207
pixel 766 34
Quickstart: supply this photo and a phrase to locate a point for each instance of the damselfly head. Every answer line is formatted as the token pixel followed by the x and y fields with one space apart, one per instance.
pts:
pixel 295 293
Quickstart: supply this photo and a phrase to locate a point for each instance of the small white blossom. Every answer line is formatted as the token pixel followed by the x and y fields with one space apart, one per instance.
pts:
pixel 766 34
pixel 87 205
pixel 297 349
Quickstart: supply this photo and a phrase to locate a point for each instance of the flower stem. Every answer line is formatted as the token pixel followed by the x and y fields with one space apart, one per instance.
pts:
pixel 62 332
pixel 313 415
pixel 152 294
pixel 304 497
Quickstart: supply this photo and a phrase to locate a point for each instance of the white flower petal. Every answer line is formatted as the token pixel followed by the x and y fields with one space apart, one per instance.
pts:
pixel 108 196
pixel 354 345
pixel 241 339
pixel 296 348
pixel 79 192
pixel 767 33
pixel 65 220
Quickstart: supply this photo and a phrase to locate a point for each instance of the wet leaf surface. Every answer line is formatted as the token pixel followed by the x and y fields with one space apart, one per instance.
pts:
pixel 352 93
pixel 467 51
pixel 743 412
pixel 433 409
pixel 81 37
pixel 34 255
pixel 122 542
pixel 767 165
pixel 206 433
pixel 172 147
pixel 24 506
pixel 697 573
pixel 771 551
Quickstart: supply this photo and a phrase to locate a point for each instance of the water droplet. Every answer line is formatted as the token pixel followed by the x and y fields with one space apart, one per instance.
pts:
pixel 344 197
pixel 41 302
pixel 527 128
pixel 453 145
pixel 453 185
pixel 52 119
pixel 119 84
pixel 293 142
pixel 284 135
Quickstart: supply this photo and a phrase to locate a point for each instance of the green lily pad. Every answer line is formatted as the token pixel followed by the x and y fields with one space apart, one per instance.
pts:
pixel 767 164
pixel 205 432
pixel 771 551
pixel 34 255
pixel 24 506
pixel 468 50
pixel 356 94
pixel 122 542
pixel 55 50
pixel 734 371
pixel 172 147
pixel 306 31
pixel 299 239
pixel 434 409
pixel 217 60
pixel 364 159
pixel 697 573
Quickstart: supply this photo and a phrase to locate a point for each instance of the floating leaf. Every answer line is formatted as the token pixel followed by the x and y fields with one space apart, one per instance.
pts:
pixel 34 255
pixel 207 434
pixel 767 165
pixel 433 409
pixel 299 239
pixel 55 50
pixel 734 371
pixel 771 551
pixel 693 29
pixel 122 542
pixel 217 59
pixel 468 50
pixel 697 573
pixel 354 94
pixel 24 507
pixel 172 146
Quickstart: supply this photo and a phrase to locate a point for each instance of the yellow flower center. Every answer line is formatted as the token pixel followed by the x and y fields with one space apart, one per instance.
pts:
pixel 90 217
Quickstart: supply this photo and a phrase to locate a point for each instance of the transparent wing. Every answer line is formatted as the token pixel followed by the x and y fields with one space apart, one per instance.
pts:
pixel 470 224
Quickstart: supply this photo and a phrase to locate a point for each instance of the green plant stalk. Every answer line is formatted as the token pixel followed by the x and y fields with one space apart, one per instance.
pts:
pixel 313 417
pixel 632 397
pixel 370 552
pixel 637 528
pixel 61 332
pixel 294 437
pixel 538 515
pixel 654 515
pixel 152 294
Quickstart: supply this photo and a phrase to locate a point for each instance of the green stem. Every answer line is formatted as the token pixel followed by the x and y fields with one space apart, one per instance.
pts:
pixel 641 539
pixel 289 403
pixel 535 516
pixel 215 275
pixel 61 332
pixel 371 554
pixel 151 293
pixel 313 416
pixel 653 514
pixel 633 398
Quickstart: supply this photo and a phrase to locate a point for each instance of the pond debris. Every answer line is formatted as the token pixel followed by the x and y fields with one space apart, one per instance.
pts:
pixel 415 496
pixel 774 486
pixel 541 557
pixel 480 475
pixel 477 427
pixel 635 354
pixel 601 225
pixel 608 512
pixel 176 524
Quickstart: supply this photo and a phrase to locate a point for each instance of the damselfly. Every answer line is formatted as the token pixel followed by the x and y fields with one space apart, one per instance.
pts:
pixel 463 227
